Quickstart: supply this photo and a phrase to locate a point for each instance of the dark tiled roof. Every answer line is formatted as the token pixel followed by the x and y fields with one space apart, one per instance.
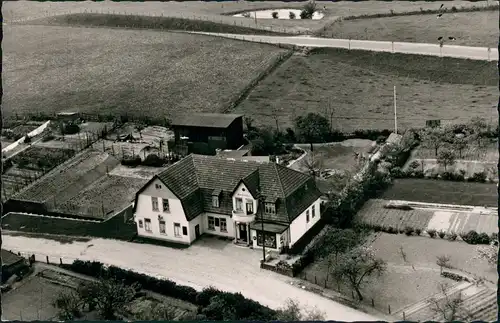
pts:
pixel 269 227
pixel 9 258
pixel 195 178
pixel 206 120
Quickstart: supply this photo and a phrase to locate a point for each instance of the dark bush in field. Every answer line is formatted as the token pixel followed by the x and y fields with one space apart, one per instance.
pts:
pixel 131 161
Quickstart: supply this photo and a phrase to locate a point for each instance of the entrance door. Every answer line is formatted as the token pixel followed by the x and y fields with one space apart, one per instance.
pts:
pixel 197 231
pixel 243 232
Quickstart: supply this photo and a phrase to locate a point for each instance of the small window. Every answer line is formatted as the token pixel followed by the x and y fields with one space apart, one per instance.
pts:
pixel 177 229
pixel 162 227
pixel 166 206
pixel 249 206
pixel 216 222
pixel 140 224
pixel 147 225
pixel 211 223
pixel 158 186
pixel 313 211
pixel 270 208
pixel 215 201
pixel 239 204
pixel 184 231
pixel 154 203
pixel 307 216
pixel 223 225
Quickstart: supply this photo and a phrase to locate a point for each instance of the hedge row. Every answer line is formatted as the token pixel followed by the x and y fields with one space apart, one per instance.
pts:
pixel 242 308
pixel 478 177
pixel 455 277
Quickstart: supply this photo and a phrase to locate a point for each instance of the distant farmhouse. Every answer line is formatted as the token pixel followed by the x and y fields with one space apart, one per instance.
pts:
pixel 203 133
pixel 212 195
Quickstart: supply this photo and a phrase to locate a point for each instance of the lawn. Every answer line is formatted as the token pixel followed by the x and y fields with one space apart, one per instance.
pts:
pixel 49 68
pixel 392 288
pixel 478 28
pixel 439 191
pixel 359 86
pixel 212 11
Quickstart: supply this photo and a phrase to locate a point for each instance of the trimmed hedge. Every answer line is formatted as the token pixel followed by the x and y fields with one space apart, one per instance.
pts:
pixel 241 307
pixel 455 277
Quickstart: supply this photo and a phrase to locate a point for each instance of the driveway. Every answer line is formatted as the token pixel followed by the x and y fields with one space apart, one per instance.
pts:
pixel 475 53
pixel 209 262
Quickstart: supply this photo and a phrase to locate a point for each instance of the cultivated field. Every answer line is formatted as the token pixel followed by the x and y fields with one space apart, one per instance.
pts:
pixel 469 28
pixel 89 132
pixel 425 218
pixel 52 68
pixel 213 11
pixel 359 86
pixel 439 191
pixel 419 267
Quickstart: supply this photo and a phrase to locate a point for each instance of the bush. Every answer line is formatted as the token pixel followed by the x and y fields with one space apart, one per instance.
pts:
pixel 408 231
pixel 479 177
pixel 418 231
pixel 378 228
pixel 131 161
pixel 274 14
pixel 397 172
pixel 471 237
pixel 27 139
pixel 450 176
pixel 483 238
pixel 441 234
pixel 291 15
pixel 372 134
pixel 392 230
pixel 455 277
pixel 431 233
pixel 452 236
pixel 48 138
pixel 494 236
pixel 454 9
pixel 153 160
pixel 69 128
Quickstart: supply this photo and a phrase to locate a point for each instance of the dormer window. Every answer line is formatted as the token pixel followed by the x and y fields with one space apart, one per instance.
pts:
pixel 215 201
pixel 270 208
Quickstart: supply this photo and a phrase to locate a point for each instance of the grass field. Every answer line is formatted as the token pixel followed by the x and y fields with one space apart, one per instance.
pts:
pixel 420 268
pixel 469 28
pixel 359 86
pixel 439 191
pixel 159 74
pixel 213 11
pixel 448 220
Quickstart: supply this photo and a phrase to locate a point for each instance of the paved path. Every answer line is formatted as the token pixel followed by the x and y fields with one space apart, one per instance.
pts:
pixel 475 53
pixel 208 262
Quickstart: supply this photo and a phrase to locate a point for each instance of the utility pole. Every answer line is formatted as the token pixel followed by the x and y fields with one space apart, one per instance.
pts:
pixel 395 113
pixel 261 207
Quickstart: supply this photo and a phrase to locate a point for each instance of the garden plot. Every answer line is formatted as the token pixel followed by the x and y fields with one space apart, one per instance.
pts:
pixel 418 267
pixel 89 131
pixel 426 217
pixel 473 159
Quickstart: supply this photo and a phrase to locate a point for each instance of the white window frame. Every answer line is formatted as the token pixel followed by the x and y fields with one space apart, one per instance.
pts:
pixel 141 224
pixel 239 204
pixel 223 225
pixel 177 229
pixel 211 219
pixel 147 225
pixel 270 208
pixel 247 203
pixel 167 210
pixel 163 225
pixel 215 201
pixel 154 204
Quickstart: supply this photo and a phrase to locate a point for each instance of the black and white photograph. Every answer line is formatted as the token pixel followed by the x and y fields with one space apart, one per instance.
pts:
pixel 250 160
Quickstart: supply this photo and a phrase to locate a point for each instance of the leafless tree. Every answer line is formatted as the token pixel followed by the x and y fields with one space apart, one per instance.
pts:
pixel 293 312
pixel 448 307
pixel 443 261
pixel 314 163
pixel 329 113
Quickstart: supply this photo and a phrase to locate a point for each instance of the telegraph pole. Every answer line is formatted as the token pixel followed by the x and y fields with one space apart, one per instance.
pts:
pixel 395 113
pixel 261 207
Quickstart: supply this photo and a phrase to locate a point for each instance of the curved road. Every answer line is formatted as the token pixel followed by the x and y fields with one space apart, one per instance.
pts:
pixel 475 53
pixel 209 262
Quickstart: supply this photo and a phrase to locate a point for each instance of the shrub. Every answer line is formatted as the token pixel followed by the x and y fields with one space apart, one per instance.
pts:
pixel 27 139
pixel 69 128
pixel 153 160
pixel 380 140
pixel 455 277
pixel 414 164
pixel 48 138
pixel 408 231
pixel 454 9
pixel 378 228
pixel 452 236
pixel 418 231
pixel 291 15
pixel 131 161
pixel 479 177
pixel 483 238
pixel 471 237
pixel 431 233
pixel 397 172
pixel 392 230
pixel 441 234
pixel 401 231
pixel 274 14
pixel 494 236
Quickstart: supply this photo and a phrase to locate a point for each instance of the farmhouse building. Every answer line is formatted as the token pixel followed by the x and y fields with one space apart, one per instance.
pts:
pixel 11 264
pixel 211 195
pixel 203 133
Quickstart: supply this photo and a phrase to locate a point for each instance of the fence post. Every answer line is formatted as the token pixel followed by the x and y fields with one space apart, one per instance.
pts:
pixel 404 316
pixel 489 52
pixel 325 284
pixel 60 261
pixel 389 307
pixel 373 302
pixel 47 259
pixel 392 44
pixel 352 294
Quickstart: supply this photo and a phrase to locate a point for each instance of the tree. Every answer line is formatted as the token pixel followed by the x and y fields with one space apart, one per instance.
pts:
pixel 443 261
pixel 248 123
pixel 432 138
pixel 450 308
pixel 459 144
pixel 358 265
pixel 489 253
pixel 68 305
pixel 312 128
pixel 154 311
pixel 140 127
pixel 291 311
pixel 308 10
pixel 291 15
pixel 446 157
pixel 329 113
pixel 314 164
pixel 265 143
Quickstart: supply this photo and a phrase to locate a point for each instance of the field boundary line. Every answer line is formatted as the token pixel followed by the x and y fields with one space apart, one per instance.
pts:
pixel 440 206
pixel 51 217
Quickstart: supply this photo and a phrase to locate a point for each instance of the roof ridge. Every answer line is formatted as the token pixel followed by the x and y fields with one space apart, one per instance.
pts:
pixel 195 171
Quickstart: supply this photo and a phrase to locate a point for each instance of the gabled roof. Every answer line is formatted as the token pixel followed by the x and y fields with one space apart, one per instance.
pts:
pixel 205 120
pixel 196 177
pixel 10 258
